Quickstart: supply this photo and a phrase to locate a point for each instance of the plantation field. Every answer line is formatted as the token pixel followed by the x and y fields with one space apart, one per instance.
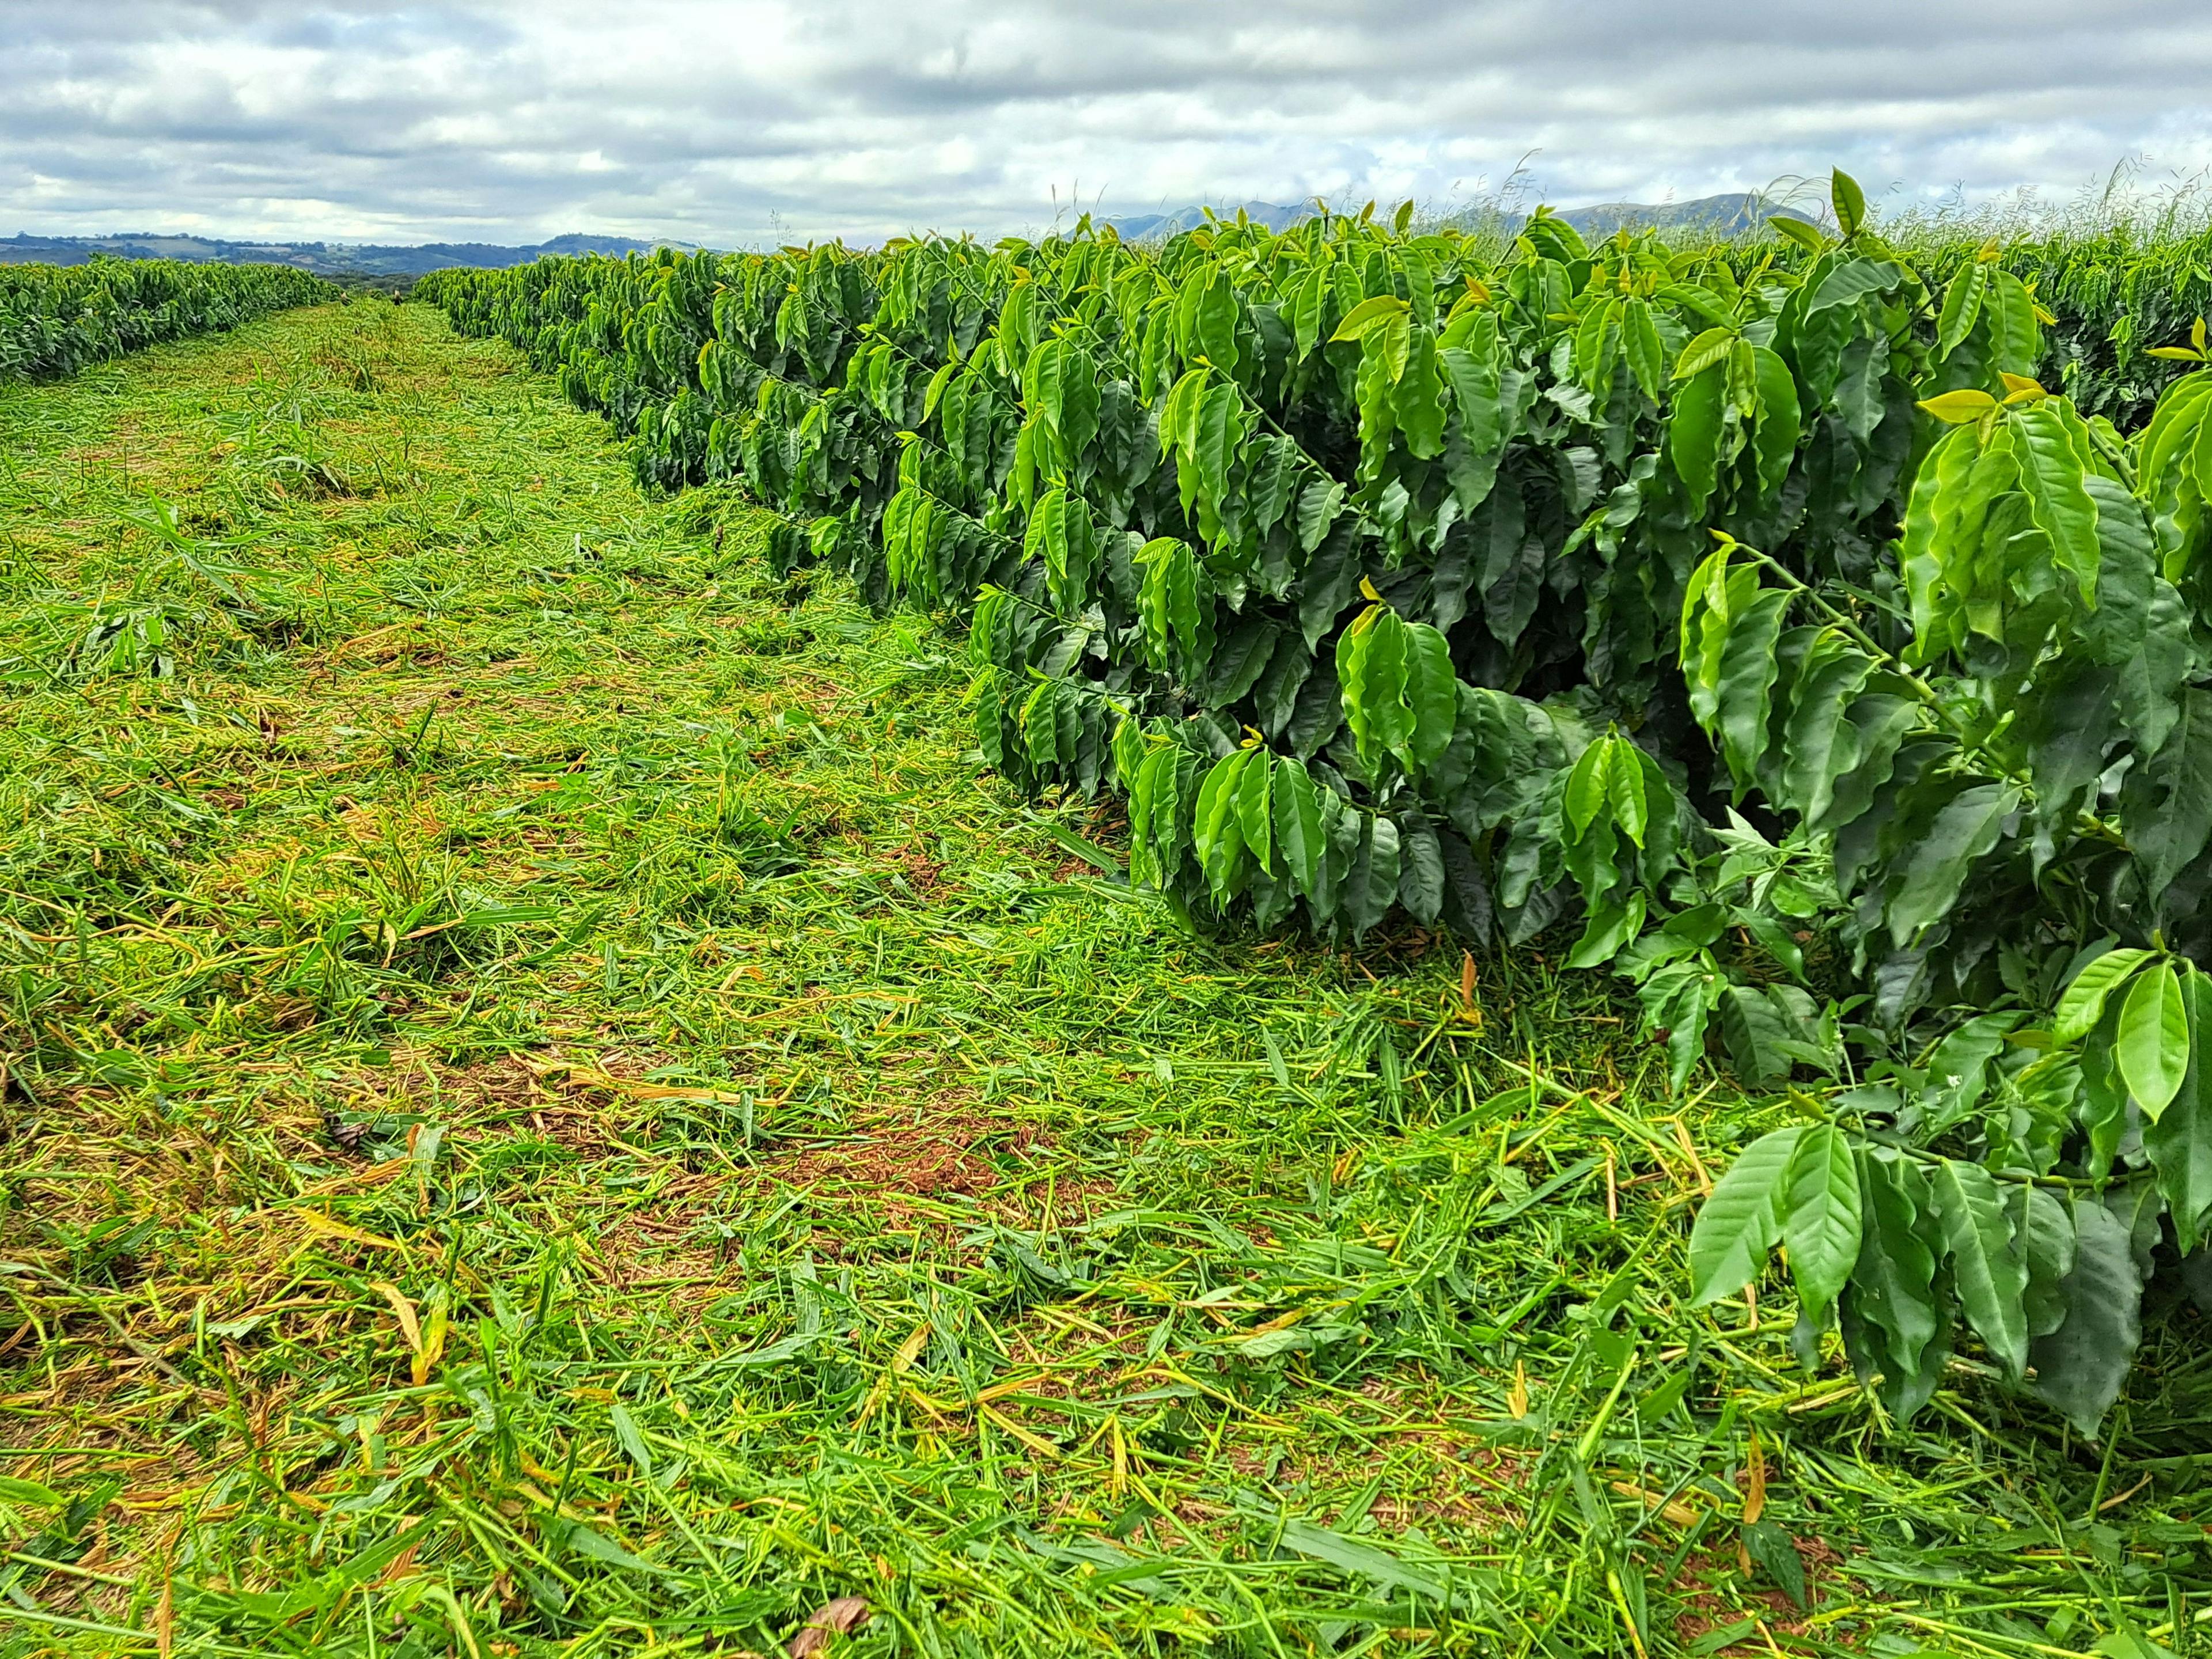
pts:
pixel 547 1110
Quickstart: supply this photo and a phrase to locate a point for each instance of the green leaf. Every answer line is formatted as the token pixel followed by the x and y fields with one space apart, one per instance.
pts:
pixel 1989 1275
pixel 1701 354
pixel 2083 1004
pixel 1741 1221
pixel 2154 1039
pixel 1626 792
pixel 1255 807
pixel 2044 1225
pixel 1612 924
pixel 1820 742
pixel 1935 872
pixel 2180 1141
pixel 1775 429
pixel 1962 306
pixel 598 1546
pixel 1852 281
pixel 1362 1560
pixel 1300 830
pixel 1218 827
pixel 2052 472
pixel 1318 507
pixel 1588 787
pixel 28 1492
pixel 1694 434
pixel 1822 1216
pixel 2081 1367
pixel 1420 871
pixel 1893 1282
pixel 1432 692
pixel 1747 671
pixel 1646 353
pixel 1758 1034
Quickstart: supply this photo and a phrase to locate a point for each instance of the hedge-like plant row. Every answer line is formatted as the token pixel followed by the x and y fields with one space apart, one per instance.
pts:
pixel 55 319
pixel 1756 614
pixel 2114 296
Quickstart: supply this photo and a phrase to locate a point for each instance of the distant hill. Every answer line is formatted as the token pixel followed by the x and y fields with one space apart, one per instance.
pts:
pixel 335 259
pixel 1142 226
pixel 1736 214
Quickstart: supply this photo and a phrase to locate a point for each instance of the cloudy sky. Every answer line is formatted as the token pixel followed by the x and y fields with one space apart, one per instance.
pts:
pixel 732 122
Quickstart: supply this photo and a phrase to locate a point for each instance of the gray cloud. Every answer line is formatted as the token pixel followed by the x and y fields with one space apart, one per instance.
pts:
pixel 734 121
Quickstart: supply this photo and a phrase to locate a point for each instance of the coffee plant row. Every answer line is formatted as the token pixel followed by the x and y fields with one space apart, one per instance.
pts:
pixel 55 319
pixel 1756 618
pixel 2115 296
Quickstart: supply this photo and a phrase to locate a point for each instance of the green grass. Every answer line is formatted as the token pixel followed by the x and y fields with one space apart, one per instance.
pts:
pixel 549 1110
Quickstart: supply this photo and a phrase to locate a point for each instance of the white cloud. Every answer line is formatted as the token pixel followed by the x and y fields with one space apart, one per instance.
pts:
pixel 733 123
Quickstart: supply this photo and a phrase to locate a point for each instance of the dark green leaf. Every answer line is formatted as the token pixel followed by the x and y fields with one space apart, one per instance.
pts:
pixel 1990 1274
pixel 2081 1367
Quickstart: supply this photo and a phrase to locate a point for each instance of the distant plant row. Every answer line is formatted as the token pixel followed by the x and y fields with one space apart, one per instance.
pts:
pixel 55 319
pixel 1758 619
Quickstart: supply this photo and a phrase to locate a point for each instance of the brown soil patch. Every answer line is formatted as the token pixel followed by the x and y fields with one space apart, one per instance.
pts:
pixel 950 1151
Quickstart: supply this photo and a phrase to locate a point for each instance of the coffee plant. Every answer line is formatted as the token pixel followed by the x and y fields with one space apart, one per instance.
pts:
pixel 55 319
pixel 1754 615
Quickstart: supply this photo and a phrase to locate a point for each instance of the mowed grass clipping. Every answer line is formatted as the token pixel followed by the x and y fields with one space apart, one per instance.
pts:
pixel 549 1110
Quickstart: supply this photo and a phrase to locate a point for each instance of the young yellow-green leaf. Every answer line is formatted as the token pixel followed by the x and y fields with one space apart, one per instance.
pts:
pixel 1807 236
pixel 1959 408
pixel 1742 1220
pixel 1702 353
pixel 1962 306
pixel 1821 1220
pixel 1368 316
pixel 2083 1004
pixel 1848 200
pixel 2154 1039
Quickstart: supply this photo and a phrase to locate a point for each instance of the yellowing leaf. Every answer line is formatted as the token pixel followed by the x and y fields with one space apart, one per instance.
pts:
pixel 316 1222
pixel 1368 315
pixel 405 1311
pixel 1961 407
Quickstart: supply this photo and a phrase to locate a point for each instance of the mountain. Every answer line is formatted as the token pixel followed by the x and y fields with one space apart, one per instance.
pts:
pixel 337 259
pixel 1740 213
pixel 1139 227
pixel 1743 212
